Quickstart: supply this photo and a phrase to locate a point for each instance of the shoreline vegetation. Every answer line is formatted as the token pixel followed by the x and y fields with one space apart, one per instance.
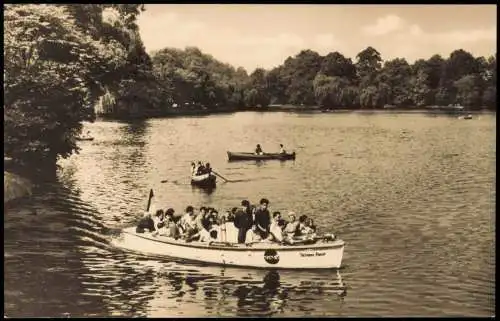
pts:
pixel 184 112
pixel 15 187
pixel 67 64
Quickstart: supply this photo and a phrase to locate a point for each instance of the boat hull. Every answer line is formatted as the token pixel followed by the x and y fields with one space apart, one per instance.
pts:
pixel 205 180
pixel 85 138
pixel 240 156
pixel 325 255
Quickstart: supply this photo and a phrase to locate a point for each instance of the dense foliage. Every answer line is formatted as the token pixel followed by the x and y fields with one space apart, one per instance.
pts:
pixel 59 60
pixel 332 81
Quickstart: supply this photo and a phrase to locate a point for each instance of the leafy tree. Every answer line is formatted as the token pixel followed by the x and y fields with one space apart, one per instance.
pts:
pixel 336 65
pixel 369 63
pixel 54 73
pixel 258 94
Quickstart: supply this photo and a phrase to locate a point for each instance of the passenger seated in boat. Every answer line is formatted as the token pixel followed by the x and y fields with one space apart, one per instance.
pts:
pixel 258 150
pixel 206 234
pixel 252 235
pixel 263 218
pixel 193 168
pixel 202 219
pixel 146 224
pixel 201 169
pixel 292 227
pixel 275 231
pixel 214 213
pixel 302 224
pixel 305 232
pixel 281 222
pixel 158 220
pixel 232 214
pixel 170 213
pixel 208 169
pixel 310 224
pixel 231 230
pixel 170 229
pixel 282 149
pixel 188 222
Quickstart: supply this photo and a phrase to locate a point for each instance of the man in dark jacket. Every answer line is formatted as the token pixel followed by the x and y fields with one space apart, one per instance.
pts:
pixel 263 218
pixel 243 220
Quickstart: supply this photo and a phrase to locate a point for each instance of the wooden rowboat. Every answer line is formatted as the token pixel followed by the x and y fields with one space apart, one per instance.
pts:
pixel 324 254
pixel 237 156
pixel 204 180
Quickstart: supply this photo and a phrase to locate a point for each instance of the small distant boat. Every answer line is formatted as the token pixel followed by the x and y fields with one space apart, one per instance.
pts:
pixel 324 253
pixel 85 138
pixel 469 116
pixel 204 180
pixel 236 156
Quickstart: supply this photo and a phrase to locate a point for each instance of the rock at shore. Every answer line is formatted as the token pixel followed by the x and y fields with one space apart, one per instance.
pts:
pixel 15 187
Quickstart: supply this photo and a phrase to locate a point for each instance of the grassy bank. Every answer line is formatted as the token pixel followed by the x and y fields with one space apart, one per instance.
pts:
pixel 15 187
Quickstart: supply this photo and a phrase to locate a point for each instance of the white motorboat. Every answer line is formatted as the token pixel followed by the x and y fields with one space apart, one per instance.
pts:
pixel 324 253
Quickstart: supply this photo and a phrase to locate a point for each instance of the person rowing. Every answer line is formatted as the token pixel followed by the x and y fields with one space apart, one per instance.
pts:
pixel 282 149
pixel 258 150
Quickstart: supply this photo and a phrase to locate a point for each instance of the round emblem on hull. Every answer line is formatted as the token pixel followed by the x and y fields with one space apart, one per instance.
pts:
pixel 271 256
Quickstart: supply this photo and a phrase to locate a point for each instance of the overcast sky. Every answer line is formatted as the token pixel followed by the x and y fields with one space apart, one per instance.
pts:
pixel 257 35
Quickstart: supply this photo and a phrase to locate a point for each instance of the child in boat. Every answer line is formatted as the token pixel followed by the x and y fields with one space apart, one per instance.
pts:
pixel 258 150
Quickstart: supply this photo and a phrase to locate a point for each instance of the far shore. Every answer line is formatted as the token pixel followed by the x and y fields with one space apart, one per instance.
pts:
pixel 181 112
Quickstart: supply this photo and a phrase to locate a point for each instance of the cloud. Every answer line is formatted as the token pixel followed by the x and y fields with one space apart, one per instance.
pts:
pixel 325 43
pixel 239 47
pixel 168 30
pixel 397 37
pixel 468 36
pixel 280 40
pixel 384 25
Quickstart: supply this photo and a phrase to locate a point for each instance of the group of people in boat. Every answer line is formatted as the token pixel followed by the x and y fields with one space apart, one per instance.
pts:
pixel 245 224
pixel 259 151
pixel 199 168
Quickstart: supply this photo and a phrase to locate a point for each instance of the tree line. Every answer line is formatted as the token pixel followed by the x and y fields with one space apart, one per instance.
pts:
pixel 63 63
pixel 190 78
pixel 331 81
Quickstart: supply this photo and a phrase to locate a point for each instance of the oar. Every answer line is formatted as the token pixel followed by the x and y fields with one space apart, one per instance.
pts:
pixel 151 194
pixel 220 176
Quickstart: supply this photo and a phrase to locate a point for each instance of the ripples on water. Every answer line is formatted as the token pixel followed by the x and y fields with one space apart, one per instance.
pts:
pixel 413 197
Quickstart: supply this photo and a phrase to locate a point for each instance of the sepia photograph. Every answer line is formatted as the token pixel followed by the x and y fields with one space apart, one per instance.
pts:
pixel 249 160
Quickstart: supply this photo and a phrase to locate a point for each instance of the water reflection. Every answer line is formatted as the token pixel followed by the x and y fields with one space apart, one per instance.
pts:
pixel 137 286
pixel 203 190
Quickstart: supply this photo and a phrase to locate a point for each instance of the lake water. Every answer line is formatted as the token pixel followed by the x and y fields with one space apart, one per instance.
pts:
pixel 412 195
